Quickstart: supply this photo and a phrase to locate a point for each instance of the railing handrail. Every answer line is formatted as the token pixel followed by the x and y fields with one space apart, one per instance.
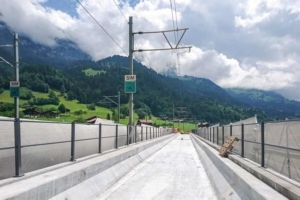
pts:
pixel 134 136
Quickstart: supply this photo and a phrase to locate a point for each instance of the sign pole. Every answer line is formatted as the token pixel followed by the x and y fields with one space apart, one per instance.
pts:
pixel 130 72
pixel 119 107
pixel 18 158
pixel 16 52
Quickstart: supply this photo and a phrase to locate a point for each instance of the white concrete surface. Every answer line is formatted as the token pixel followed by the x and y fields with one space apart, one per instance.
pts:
pixel 175 172
pixel 52 183
pixel 230 180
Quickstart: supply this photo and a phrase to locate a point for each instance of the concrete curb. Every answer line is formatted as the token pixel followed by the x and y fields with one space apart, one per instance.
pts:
pixel 50 184
pixel 284 187
pixel 229 176
pixel 288 189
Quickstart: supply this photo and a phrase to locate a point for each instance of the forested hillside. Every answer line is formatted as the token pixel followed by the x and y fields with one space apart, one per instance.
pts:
pixel 156 93
pixel 272 103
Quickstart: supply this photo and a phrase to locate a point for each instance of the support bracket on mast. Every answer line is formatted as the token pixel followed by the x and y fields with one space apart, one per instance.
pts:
pixel 163 32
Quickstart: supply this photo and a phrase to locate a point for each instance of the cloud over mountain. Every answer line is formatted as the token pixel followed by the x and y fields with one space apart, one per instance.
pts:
pixel 251 44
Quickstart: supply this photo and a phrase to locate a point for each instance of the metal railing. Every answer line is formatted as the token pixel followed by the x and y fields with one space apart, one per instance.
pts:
pixel 274 145
pixel 32 145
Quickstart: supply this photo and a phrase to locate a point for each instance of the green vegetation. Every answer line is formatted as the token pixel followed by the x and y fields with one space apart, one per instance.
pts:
pixel 272 103
pixel 92 72
pixel 81 86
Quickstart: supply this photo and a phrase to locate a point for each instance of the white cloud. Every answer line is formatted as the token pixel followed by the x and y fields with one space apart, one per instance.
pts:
pixel 251 44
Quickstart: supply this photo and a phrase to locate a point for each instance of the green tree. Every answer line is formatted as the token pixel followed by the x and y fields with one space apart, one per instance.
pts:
pixel 141 114
pixel 62 108
pixel 62 89
pixel 91 106
pixel 1 82
pixel 124 110
pixel 26 94
pixel 70 95
pixel 108 116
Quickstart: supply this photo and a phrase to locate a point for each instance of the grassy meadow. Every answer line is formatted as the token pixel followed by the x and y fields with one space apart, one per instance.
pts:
pixel 74 105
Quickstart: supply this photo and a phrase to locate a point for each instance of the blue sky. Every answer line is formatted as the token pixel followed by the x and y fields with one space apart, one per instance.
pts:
pixel 68 6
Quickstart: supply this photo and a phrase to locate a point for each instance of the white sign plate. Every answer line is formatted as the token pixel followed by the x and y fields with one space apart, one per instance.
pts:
pixel 130 78
pixel 14 83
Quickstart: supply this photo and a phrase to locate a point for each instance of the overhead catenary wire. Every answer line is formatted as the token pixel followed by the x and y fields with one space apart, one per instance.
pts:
pixel 102 27
pixel 173 20
pixel 177 51
pixel 176 17
pixel 136 42
pixel 120 10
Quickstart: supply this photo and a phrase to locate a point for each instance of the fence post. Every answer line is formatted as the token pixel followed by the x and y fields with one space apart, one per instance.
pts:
pixel 230 129
pixel 242 142
pixel 223 135
pixel 150 133
pixel 18 158
pixel 117 136
pixel 127 135
pixel 135 134
pixel 263 144
pixel 217 135
pixel 100 136
pixel 213 138
pixel 159 132
pixel 142 133
pixel 73 141
pixel 146 133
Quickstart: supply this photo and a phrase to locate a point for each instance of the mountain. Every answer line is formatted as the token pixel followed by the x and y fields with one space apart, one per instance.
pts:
pixel 272 103
pixel 59 55
pixel 156 93
pixel 64 68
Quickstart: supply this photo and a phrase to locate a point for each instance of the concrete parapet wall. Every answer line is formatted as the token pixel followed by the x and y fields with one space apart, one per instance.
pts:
pixel 105 170
pixel 230 180
pixel 288 189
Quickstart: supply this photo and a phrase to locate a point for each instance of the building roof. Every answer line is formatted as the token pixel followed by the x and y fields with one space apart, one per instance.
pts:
pixel 91 120
pixel 143 121
pixel 178 120
pixel 93 117
pixel 50 111
pixel 203 124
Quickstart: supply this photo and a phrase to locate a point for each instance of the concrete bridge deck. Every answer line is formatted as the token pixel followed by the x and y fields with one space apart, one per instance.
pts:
pixel 170 167
pixel 174 172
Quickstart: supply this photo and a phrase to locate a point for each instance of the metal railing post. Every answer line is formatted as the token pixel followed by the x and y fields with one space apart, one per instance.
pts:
pixel 213 138
pixel 100 138
pixel 117 136
pixel 135 134
pixel 223 140
pixel 127 135
pixel 18 158
pixel 242 142
pixel 142 133
pixel 263 144
pixel 73 141
pixel 230 130
pixel 217 135
pixel 146 133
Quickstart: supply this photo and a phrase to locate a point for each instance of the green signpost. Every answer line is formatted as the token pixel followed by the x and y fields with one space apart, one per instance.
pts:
pixel 130 87
pixel 14 88
pixel 130 84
